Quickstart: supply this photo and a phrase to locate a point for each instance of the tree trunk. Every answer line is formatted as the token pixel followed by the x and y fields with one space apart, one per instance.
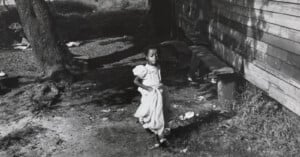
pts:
pixel 4 5
pixel 40 32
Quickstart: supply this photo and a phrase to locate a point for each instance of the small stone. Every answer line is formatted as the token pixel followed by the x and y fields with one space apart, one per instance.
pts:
pixel 184 150
pixel 181 117
pixel 189 115
pixel 73 44
pixel 213 81
pixel 104 119
pixel 201 98
pixel 105 110
pixel 2 74
pixel 120 109
pixel 91 118
pixel 175 106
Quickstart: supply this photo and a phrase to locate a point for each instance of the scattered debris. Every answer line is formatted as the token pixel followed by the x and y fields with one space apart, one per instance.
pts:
pixel 156 145
pixel 2 74
pixel 187 115
pixel 190 79
pixel 213 80
pixel 23 45
pixel 181 117
pixel 104 119
pixel 73 43
pixel 15 26
pixel 45 95
pixel 106 110
pixel 82 57
pixel 175 105
pixel 91 118
pixel 120 110
pixel 18 29
pixel 184 150
pixel 201 98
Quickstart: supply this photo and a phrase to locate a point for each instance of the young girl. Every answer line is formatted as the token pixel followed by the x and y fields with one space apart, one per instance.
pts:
pixel 150 112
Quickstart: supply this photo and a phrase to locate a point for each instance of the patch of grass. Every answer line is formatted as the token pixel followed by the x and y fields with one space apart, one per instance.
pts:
pixel 259 127
pixel 271 127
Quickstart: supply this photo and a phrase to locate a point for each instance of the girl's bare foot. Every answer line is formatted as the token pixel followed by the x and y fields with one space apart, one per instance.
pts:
pixel 162 141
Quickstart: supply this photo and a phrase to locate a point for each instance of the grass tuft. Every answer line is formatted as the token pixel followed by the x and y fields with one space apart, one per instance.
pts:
pixel 275 129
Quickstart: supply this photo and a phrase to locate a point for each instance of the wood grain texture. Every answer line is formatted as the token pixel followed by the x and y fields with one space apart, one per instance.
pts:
pixel 280 28
pixel 260 39
pixel 259 50
pixel 267 5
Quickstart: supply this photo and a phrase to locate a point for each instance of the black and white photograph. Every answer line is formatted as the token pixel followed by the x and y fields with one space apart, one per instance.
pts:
pixel 149 78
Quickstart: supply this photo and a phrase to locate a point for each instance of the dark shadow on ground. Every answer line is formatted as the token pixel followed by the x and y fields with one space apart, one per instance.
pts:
pixel 211 117
pixel 67 7
pixel 110 78
pixel 7 36
pixel 205 131
pixel 78 21
pixel 106 86
pixel 116 56
pixel 7 83
pixel 98 24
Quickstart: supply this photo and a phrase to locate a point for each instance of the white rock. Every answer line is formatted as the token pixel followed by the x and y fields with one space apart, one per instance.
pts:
pixel 104 119
pixel 213 81
pixel 73 43
pixel 2 74
pixel 175 106
pixel 189 115
pixel 106 110
pixel 184 150
pixel 120 109
pixel 201 98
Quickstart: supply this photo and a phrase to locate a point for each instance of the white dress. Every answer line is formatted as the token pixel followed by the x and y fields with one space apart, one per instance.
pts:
pixel 150 111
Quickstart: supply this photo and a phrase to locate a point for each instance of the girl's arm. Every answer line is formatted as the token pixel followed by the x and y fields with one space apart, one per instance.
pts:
pixel 137 81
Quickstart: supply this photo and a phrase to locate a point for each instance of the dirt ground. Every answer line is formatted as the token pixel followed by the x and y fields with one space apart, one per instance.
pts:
pixel 92 117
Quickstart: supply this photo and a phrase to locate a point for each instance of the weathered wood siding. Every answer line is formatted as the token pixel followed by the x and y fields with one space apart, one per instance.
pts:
pixel 261 39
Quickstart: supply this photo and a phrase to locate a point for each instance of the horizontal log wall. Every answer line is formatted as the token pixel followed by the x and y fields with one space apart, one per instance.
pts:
pixel 261 38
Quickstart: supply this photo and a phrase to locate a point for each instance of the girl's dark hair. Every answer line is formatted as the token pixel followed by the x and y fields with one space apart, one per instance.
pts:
pixel 146 50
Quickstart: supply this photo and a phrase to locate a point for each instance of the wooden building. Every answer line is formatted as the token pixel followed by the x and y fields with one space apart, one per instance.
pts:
pixel 259 38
